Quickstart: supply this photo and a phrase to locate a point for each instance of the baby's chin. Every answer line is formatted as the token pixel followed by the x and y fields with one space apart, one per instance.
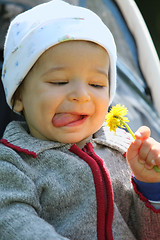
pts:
pixel 80 143
pixel 83 142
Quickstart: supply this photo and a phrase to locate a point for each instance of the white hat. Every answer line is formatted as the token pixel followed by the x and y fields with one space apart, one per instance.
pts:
pixel 34 31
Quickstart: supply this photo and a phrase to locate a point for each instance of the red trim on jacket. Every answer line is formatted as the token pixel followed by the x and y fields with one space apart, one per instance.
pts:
pixel 142 198
pixel 110 202
pixel 103 188
pixel 18 149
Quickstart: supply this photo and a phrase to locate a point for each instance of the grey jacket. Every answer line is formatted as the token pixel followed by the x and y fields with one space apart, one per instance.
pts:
pixel 51 191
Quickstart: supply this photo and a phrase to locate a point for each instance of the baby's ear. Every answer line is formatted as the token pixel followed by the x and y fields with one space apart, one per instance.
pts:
pixel 17 104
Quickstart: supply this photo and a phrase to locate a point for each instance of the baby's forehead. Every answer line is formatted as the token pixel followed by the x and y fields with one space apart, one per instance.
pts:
pixel 73 43
pixel 70 46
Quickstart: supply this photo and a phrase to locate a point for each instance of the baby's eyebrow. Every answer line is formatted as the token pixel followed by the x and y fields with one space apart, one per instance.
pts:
pixel 102 71
pixel 55 68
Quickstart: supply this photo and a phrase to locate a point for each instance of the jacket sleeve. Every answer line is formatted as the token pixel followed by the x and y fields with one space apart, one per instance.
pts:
pixel 148 216
pixel 19 206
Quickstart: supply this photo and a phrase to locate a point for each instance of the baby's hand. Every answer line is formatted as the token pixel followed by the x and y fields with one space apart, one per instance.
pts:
pixel 142 155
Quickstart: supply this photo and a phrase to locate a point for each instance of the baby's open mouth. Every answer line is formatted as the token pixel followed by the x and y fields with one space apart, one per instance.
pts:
pixel 63 119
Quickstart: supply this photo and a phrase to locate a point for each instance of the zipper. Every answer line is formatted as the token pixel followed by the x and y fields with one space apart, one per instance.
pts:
pixel 103 187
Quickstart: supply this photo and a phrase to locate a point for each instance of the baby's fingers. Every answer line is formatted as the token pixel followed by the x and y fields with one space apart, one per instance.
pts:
pixel 143 133
pixel 149 153
pixel 133 149
pixel 146 154
pixel 153 158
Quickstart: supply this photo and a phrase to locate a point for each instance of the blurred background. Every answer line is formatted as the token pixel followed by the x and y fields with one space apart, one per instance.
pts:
pixel 151 14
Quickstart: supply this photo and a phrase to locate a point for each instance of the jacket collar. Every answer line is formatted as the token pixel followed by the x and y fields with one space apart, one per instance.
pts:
pixel 119 141
pixel 17 137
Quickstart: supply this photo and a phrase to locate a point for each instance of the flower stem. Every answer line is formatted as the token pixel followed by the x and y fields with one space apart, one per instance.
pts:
pixel 156 169
pixel 129 129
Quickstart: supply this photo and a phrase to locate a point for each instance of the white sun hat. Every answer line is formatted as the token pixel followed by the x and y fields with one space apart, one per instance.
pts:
pixel 33 32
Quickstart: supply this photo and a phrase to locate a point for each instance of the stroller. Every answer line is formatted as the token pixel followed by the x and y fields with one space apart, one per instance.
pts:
pixel 138 68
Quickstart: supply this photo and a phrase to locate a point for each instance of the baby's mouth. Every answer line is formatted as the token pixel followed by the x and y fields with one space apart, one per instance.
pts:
pixel 64 119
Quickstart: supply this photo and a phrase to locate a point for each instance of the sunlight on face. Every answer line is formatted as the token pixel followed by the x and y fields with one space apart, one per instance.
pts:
pixel 65 96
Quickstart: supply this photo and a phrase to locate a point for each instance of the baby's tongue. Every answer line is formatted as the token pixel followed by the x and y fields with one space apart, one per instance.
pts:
pixel 63 119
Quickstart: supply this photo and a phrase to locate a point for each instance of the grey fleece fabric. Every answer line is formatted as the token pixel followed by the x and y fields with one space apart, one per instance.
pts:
pixel 48 193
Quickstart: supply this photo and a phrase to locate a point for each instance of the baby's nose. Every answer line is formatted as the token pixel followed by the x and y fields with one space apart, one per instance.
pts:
pixel 80 93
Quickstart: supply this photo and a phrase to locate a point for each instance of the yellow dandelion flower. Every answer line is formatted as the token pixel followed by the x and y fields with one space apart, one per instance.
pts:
pixel 116 118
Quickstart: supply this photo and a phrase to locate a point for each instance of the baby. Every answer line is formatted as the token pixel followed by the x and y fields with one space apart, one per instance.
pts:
pixel 63 175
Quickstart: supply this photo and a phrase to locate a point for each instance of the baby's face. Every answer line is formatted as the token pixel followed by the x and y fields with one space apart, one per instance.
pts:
pixel 65 96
